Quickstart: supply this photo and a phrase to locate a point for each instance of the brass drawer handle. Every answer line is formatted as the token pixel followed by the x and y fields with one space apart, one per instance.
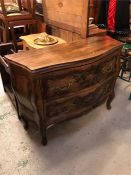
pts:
pixel 107 68
pixel 64 89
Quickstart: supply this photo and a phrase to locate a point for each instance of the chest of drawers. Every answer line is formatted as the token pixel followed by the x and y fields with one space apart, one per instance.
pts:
pixel 55 84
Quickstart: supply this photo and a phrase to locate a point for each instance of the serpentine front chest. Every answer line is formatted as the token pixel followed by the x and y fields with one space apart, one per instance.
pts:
pixel 65 81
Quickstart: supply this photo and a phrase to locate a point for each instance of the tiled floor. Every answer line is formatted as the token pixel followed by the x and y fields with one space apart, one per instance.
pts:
pixel 98 143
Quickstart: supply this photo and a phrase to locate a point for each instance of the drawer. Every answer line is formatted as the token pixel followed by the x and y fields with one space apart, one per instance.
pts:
pixel 71 81
pixel 76 105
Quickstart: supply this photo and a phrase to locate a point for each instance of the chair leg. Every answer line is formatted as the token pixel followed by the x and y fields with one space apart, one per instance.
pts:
pixel 4 31
pixel 13 37
pixel 6 34
pixel 34 27
pixel 1 34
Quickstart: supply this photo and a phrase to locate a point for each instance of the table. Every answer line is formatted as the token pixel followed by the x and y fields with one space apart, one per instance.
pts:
pixel 65 81
pixel 28 41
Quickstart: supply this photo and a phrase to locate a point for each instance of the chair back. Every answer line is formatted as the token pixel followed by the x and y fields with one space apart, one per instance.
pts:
pixel 28 5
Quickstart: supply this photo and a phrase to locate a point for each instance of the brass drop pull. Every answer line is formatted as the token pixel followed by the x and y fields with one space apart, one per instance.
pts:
pixel 107 68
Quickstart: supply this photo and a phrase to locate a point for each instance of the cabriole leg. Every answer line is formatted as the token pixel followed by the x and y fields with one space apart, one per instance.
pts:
pixel 110 99
pixel 43 134
pixel 17 109
pixel 26 123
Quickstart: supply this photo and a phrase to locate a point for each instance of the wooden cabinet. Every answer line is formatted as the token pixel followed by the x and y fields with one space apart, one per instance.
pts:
pixel 67 19
pixel 55 84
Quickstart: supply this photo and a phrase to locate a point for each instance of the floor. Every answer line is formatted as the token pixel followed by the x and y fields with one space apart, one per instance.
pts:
pixel 98 143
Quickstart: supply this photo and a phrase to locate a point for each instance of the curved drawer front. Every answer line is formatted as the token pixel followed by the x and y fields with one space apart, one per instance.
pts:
pixel 67 108
pixel 65 82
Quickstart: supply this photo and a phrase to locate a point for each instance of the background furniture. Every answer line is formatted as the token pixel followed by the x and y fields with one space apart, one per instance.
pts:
pixel 94 7
pixel 125 73
pixel 25 16
pixel 28 42
pixel 7 48
pixel 61 82
pixel 69 19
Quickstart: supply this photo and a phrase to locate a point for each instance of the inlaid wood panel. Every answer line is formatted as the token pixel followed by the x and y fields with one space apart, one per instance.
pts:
pixel 63 83
pixel 74 106
pixel 23 91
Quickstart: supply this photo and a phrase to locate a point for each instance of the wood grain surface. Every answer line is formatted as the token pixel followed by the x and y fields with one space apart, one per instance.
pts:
pixel 64 53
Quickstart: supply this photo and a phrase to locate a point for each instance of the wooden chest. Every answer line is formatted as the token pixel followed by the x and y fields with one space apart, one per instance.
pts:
pixel 65 81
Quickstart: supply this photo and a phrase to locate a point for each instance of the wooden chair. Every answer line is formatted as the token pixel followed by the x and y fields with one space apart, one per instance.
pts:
pixel 25 16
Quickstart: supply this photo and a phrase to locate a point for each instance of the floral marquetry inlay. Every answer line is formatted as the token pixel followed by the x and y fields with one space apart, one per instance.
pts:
pixel 78 80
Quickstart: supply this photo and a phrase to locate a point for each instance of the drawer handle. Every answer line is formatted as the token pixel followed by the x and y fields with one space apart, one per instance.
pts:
pixel 64 89
pixel 107 68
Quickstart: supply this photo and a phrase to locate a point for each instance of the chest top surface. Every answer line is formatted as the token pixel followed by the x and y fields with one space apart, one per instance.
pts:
pixel 84 49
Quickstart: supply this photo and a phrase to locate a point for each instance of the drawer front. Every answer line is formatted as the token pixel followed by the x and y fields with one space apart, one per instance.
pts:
pixel 70 81
pixel 65 109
